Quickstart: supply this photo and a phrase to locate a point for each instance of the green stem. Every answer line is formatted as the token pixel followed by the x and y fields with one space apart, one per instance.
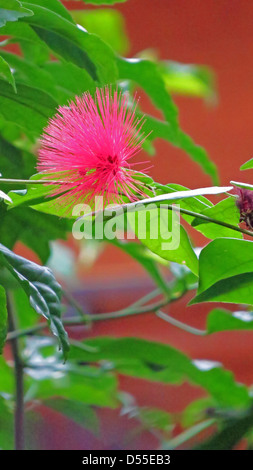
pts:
pixel 19 381
pixel 77 320
pixel 129 208
pixel 126 207
pixel 18 181
pixel 188 434
pixel 211 220
pixel 181 325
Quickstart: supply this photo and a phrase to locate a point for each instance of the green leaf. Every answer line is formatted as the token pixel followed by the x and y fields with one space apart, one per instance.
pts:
pixel 160 129
pixel 35 229
pixel 226 211
pixel 171 241
pixel 160 362
pixel 53 5
pixel 224 320
pixel 98 390
pixel 69 79
pixel 248 165
pixel 233 430
pixel 196 411
pixel 12 10
pixel 29 108
pixel 194 204
pixel 146 74
pixel 177 195
pixel 154 418
pixel 14 161
pixel 77 411
pixel 30 74
pixel 33 195
pixel 3 320
pixel 49 378
pixel 37 54
pixel 26 315
pixel 74 44
pixel 6 425
pixel 189 80
pixel 7 381
pixel 41 288
pixel 242 185
pixel 108 24
pixel 226 272
pixel 5 71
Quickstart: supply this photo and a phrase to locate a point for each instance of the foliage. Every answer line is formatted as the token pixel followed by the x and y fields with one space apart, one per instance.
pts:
pixel 59 60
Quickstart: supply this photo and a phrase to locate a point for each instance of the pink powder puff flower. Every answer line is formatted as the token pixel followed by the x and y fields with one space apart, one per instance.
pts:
pixel 87 147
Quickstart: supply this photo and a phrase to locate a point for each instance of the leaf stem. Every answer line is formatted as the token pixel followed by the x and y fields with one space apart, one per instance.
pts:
pixel 33 182
pixel 179 324
pixel 188 434
pixel 129 311
pixel 19 382
pixel 127 207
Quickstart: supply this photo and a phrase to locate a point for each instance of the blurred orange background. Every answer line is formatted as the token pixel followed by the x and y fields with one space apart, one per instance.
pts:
pixel 217 34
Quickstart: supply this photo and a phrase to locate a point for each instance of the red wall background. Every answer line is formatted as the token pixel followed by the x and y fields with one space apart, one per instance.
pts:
pixel 218 34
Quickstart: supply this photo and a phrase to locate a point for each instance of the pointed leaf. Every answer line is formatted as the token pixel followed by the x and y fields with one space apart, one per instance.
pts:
pixel 43 291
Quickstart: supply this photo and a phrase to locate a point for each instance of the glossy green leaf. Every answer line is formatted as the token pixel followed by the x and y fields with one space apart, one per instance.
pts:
pixel 5 71
pixel 74 44
pixel 108 24
pixel 160 362
pixel 247 165
pixel 225 211
pixel 224 320
pixel 77 411
pixel 29 108
pixel 3 320
pixel 12 10
pixel 226 272
pixel 43 291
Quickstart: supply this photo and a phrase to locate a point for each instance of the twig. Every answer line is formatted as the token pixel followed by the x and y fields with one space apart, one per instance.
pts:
pixel 179 324
pixel 188 434
pixel 77 320
pixel 19 382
